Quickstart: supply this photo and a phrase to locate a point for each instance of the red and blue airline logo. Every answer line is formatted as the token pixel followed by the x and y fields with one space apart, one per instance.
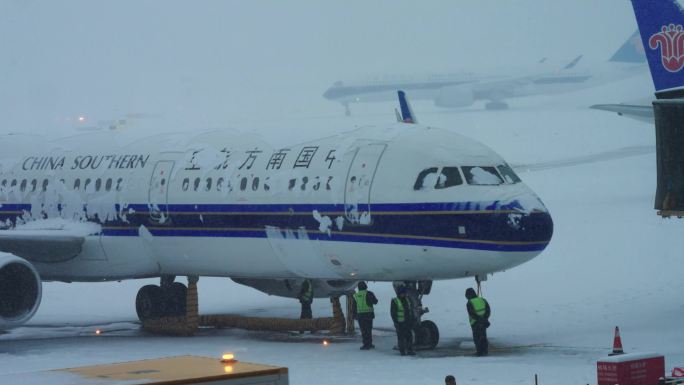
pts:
pixel 670 39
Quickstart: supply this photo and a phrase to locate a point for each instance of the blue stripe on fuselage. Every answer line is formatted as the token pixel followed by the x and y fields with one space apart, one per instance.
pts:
pixel 488 226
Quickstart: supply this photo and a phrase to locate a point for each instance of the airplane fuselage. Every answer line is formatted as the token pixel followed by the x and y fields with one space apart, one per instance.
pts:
pixel 403 202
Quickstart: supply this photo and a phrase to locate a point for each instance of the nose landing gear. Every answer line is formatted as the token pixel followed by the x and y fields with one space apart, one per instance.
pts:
pixel 425 332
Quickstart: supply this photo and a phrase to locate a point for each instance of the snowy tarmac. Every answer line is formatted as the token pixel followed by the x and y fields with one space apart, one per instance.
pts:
pixel 612 261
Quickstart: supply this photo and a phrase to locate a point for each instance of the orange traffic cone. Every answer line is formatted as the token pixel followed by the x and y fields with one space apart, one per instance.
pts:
pixel 617 343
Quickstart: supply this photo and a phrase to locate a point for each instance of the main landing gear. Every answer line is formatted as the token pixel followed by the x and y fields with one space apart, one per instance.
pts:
pixel 166 300
pixel 425 333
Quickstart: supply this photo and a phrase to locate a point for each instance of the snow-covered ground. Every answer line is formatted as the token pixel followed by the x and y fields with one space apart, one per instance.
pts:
pixel 612 261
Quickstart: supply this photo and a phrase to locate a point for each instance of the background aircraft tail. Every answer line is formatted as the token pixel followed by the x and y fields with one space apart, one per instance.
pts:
pixel 660 23
pixel 631 51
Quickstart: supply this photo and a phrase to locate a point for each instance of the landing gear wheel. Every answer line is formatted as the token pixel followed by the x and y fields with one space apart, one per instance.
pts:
pixel 426 335
pixel 496 106
pixel 176 299
pixel 147 302
pixel 431 334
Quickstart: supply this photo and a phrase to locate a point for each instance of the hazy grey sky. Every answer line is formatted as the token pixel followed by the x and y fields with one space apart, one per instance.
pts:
pixel 221 59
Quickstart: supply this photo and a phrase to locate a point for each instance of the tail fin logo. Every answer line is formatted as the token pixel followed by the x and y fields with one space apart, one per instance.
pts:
pixel 671 42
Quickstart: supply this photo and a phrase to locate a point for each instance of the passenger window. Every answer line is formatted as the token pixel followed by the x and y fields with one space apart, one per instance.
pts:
pixel 317 184
pixel 508 174
pixel 448 177
pixel 108 184
pixel 219 184
pixel 77 184
pixel 197 183
pixel 22 187
pixel 426 179
pixel 327 184
pixel 34 185
pixel 119 184
pixel 207 187
pixel 305 180
pixel 266 185
pixel 243 184
pixel 45 184
pixel 14 183
pixel 255 184
pixel 4 183
pixel 98 184
pixel 186 184
pixel 86 184
pixel 481 176
pixel 292 184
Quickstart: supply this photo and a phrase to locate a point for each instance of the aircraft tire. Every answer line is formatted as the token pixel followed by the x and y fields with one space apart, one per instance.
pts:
pixel 148 302
pixel 176 299
pixel 431 333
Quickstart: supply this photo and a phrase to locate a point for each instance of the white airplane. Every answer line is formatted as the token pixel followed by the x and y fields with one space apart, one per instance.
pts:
pixel 402 202
pixel 462 90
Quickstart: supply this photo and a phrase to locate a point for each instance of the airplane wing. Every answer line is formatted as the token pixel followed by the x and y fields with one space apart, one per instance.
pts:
pixel 642 113
pixel 41 246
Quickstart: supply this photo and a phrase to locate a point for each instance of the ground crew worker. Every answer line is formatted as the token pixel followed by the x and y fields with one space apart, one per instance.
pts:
pixel 402 315
pixel 305 296
pixel 478 311
pixel 363 301
pixel 450 380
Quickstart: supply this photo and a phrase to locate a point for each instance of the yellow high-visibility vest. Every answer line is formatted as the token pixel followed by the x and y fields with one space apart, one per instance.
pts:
pixel 480 307
pixel 361 303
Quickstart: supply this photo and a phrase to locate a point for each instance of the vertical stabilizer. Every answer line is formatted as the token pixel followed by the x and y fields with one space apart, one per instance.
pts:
pixel 631 51
pixel 406 110
pixel 662 33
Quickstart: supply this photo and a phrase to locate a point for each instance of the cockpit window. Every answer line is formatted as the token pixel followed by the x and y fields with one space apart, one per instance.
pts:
pixel 508 174
pixel 426 178
pixel 448 177
pixel 482 175
pixel 438 178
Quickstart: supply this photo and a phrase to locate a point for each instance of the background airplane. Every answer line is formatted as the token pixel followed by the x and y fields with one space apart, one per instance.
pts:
pixel 462 90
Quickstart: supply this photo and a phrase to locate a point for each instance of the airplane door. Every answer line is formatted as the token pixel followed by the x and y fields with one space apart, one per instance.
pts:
pixel 359 181
pixel 159 192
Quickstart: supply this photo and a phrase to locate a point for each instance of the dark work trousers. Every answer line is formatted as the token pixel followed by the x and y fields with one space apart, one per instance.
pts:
pixel 480 339
pixel 404 338
pixel 306 311
pixel 366 326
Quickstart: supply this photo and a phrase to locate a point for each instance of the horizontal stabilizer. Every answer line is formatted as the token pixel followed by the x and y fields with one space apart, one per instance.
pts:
pixel 642 113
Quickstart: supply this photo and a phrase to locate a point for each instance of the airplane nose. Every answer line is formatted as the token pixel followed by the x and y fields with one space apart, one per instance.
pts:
pixel 535 227
pixel 526 221
pixel 329 93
